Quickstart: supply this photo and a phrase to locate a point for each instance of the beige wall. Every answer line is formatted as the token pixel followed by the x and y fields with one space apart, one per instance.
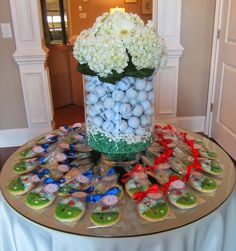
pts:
pixel 196 37
pixel 12 111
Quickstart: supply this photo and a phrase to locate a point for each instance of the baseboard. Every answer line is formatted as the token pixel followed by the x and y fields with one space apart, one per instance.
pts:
pixel 194 124
pixel 19 136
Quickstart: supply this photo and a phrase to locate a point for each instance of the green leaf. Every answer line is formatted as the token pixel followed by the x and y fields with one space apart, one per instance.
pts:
pixel 143 73
pixel 84 69
pixel 112 78
pixel 131 71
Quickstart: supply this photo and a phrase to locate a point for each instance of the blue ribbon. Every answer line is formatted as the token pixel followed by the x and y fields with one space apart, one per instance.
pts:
pixel 69 129
pixel 111 171
pixel 41 173
pixel 66 161
pixel 45 146
pixel 97 197
pixel 70 153
pixel 88 190
pixel 41 160
pixel 88 174
pixel 52 181
pixel 53 138
pixel 72 146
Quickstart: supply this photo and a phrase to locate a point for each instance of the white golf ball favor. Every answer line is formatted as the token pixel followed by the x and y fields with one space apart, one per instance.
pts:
pixel 97 121
pixel 91 111
pixel 131 93
pixel 120 111
pixel 100 91
pixel 151 95
pixel 109 103
pixel 132 80
pixel 148 87
pixel 145 120
pixel 109 87
pixel 140 131
pixel 118 95
pixel 142 95
pixel 116 108
pixel 123 84
pixel 108 126
pixel 99 107
pixel 133 102
pixel 134 122
pixel 137 111
pixel 129 130
pixel 140 84
pixel 146 105
pixel 149 111
pixel 92 98
pixel 109 114
pixel 123 126
pixel 125 108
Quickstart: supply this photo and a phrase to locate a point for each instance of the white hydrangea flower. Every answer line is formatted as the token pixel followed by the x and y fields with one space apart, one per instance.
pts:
pixel 84 46
pixel 119 24
pixel 108 55
pixel 146 48
pixel 104 47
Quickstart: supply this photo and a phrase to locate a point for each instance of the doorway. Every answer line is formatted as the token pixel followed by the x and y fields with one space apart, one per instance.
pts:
pixel 63 19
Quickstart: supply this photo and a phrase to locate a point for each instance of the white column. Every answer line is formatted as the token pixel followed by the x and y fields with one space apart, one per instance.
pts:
pixel 168 26
pixel 30 55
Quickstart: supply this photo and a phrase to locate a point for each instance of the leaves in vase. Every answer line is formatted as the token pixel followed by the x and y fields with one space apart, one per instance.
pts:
pixel 112 78
pixel 84 69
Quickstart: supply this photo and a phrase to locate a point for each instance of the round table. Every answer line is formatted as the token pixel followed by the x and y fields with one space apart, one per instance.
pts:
pixel 210 226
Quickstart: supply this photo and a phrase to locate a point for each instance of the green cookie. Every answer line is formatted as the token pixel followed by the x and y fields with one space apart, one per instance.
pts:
pixel 153 211
pixel 208 184
pixel 105 219
pixel 16 186
pixel 69 209
pixel 20 185
pixel 22 167
pixel 212 167
pixel 182 199
pixel 187 199
pixel 25 152
pixel 36 200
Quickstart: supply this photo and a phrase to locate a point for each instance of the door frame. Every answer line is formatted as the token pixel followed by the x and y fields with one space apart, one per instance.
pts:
pixel 213 68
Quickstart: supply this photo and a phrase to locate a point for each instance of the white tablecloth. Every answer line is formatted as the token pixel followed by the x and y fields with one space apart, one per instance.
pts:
pixel 215 232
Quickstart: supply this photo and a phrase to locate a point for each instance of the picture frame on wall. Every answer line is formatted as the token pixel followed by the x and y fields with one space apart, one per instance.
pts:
pixel 147 7
pixel 131 1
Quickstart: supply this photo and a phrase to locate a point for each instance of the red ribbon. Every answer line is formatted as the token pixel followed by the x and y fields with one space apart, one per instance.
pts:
pixel 196 164
pixel 166 185
pixel 161 159
pixel 127 176
pixel 162 141
pixel 139 196
pixel 167 127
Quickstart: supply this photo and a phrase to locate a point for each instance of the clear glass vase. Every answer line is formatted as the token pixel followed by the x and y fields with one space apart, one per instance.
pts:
pixel 119 116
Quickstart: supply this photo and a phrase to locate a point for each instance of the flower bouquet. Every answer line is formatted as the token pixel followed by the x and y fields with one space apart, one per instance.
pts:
pixel 119 56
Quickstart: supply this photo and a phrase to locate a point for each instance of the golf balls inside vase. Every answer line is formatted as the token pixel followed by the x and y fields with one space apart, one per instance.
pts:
pixel 119 116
